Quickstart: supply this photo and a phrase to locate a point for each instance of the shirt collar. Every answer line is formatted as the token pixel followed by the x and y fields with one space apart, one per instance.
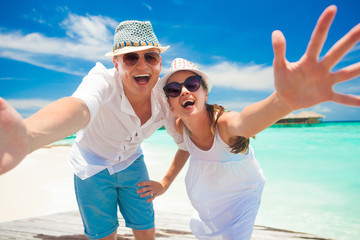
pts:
pixel 125 103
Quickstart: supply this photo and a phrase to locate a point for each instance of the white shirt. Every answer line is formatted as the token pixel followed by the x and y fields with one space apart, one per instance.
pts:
pixel 113 136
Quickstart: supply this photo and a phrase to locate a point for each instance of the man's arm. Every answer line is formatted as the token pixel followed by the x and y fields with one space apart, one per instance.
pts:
pixel 54 122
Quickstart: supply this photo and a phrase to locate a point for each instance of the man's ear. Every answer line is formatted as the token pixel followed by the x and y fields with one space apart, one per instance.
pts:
pixel 116 64
pixel 206 97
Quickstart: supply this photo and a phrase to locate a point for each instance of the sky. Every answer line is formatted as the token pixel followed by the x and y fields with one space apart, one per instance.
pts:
pixel 47 47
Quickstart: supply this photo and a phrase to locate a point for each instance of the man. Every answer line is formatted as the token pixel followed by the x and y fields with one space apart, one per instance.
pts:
pixel 114 109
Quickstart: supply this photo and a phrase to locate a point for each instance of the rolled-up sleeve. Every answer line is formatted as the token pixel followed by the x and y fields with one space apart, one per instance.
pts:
pixel 95 89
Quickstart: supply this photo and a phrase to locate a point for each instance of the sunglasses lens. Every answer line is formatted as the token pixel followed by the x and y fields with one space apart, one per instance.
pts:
pixel 130 59
pixel 192 83
pixel 152 58
pixel 173 89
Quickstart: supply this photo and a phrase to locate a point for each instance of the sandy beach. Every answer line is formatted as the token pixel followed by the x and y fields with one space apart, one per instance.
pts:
pixel 43 184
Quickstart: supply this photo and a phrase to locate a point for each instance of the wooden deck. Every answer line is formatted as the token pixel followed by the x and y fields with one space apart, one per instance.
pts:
pixel 68 226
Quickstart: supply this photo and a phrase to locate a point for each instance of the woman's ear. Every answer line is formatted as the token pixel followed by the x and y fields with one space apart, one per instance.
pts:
pixel 206 97
pixel 171 107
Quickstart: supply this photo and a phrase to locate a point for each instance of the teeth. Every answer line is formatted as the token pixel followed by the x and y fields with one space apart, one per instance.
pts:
pixel 143 75
pixel 187 102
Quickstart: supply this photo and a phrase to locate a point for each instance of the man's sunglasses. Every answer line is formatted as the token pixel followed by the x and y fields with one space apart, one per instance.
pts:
pixel 131 59
pixel 174 89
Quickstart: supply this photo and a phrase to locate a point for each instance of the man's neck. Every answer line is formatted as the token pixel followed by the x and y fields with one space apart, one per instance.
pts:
pixel 141 106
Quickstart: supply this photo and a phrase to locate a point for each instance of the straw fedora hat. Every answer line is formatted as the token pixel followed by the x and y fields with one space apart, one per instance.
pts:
pixel 180 64
pixel 131 36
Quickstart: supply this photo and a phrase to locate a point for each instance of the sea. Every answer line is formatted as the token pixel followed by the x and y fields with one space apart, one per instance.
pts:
pixel 312 176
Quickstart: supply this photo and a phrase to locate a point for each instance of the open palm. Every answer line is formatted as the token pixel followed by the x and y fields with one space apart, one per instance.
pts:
pixel 310 81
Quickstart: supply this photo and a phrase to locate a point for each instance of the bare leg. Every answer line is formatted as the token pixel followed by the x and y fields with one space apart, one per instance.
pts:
pixel 148 234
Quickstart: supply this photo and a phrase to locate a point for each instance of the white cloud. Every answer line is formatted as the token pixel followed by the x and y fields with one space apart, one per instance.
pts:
pixel 147 6
pixel 352 89
pixel 28 104
pixel 36 16
pixel 88 38
pixel 320 109
pixel 357 47
pixel 33 60
pixel 241 77
pixel 237 76
pixel 90 30
pixel 11 78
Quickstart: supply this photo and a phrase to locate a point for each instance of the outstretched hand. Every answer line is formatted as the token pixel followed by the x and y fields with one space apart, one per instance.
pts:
pixel 310 81
pixel 14 144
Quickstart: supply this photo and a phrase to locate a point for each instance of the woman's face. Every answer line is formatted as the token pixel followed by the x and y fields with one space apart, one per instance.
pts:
pixel 187 102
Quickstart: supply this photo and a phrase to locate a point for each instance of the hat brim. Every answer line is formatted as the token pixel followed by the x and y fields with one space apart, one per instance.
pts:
pixel 162 81
pixel 133 49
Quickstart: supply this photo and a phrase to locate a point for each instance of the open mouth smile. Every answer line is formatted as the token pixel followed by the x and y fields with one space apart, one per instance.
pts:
pixel 142 79
pixel 188 103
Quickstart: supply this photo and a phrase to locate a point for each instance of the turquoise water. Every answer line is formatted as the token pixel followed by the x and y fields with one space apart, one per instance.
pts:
pixel 313 177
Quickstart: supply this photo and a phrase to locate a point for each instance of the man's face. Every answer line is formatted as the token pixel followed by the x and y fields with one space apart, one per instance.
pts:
pixel 139 71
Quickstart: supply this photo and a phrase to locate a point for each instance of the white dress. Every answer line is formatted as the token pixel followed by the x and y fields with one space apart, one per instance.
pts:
pixel 225 190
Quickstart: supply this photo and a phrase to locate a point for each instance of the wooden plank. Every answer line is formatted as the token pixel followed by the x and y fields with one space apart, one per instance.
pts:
pixel 68 226
pixel 269 233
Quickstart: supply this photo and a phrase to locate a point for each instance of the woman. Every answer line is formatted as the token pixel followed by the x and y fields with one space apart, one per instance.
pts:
pixel 224 181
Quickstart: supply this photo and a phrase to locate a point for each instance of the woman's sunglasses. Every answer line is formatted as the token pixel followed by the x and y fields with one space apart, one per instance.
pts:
pixel 174 89
pixel 131 59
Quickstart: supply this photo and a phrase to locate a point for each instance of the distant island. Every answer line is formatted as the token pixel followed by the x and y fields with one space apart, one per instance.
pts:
pixel 305 117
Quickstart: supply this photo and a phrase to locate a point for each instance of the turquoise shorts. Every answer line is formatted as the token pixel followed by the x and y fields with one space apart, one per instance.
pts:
pixel 99 196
